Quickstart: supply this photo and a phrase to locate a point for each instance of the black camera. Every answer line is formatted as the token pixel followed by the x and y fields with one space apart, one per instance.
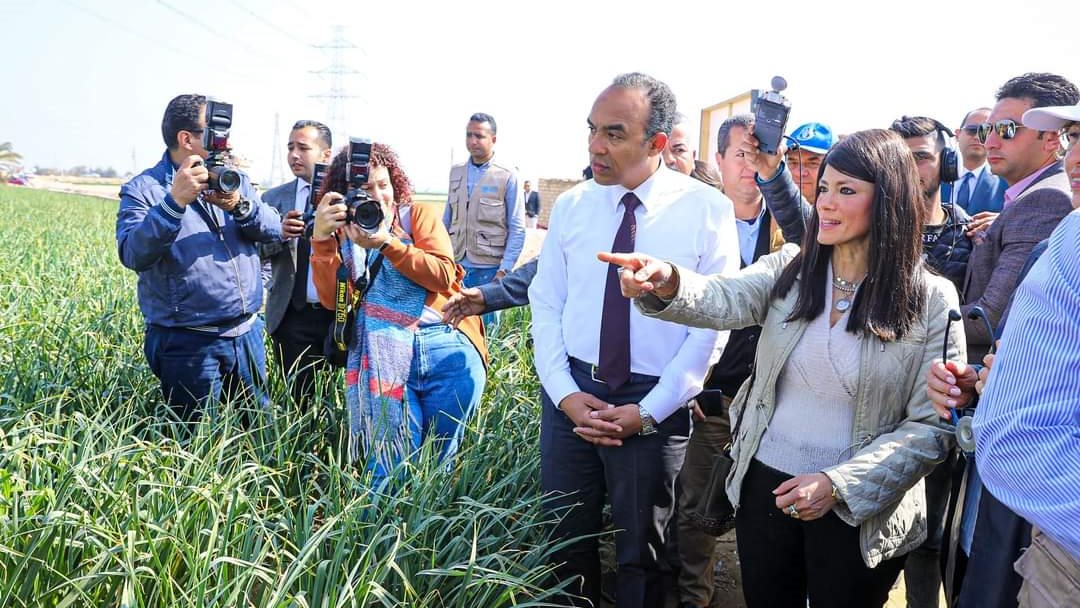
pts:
pixel 364 211
pixel 317 178
pixel 771 112
pixel 216 141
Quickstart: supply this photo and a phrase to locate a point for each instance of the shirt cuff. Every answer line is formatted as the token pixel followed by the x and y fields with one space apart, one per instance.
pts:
pixel 661 402
pixel 560 385
pixel 172 209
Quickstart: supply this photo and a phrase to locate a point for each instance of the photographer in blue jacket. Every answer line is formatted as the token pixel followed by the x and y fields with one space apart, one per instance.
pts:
pixel 190 233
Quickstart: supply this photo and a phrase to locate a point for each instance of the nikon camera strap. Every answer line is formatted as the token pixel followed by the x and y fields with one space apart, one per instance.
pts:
pixel 341 299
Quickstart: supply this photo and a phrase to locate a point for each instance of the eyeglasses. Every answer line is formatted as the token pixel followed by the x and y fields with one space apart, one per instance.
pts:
pixel 970 130
pixel 1006 129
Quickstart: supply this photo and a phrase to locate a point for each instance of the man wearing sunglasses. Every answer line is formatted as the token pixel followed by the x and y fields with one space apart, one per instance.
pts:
pixel 1037 199
pixel 977 190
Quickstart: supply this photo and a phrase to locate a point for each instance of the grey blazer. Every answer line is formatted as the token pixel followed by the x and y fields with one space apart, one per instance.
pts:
pixel 512 290
pixel 282 258
pixel 995 264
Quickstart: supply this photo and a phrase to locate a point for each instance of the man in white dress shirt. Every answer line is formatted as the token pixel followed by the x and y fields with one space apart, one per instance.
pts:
pixel 615 384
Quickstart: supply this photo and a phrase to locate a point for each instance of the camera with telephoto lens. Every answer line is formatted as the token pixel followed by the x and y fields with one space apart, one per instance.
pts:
pixel 364 211
pixel 771 112
pixel 216 142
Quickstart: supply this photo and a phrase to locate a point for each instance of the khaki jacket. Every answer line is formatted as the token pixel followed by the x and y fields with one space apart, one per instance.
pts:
pixel 896 437
pixel 478 227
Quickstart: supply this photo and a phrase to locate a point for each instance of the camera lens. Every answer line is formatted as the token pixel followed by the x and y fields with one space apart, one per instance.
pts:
pixel 369 216
pixel 228 181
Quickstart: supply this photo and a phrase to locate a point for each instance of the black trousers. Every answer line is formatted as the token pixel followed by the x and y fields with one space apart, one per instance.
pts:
pixel 785 560
pixel 638 478
pixel 298 346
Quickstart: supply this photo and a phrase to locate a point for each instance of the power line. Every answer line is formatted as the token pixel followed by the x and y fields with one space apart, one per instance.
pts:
pixel 270 24
pixel 223 36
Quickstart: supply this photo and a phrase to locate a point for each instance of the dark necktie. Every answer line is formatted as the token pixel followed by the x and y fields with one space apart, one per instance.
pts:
pixel 303 251
pixel 614 365
pixel 964 195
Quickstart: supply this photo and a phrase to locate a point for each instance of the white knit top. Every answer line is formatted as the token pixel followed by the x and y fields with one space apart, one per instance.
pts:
pixel 811 425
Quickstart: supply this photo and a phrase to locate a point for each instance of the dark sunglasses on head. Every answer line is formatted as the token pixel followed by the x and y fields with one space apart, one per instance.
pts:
pixel 1006 129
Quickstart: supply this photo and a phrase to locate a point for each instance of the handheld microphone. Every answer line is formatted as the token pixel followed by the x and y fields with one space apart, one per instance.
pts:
pixel 977 312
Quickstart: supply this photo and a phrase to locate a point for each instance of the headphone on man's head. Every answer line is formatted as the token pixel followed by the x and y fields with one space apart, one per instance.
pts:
pixel 949 159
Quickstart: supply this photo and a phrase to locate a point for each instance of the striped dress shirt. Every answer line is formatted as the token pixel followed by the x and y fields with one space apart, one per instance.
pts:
pixel 1028 426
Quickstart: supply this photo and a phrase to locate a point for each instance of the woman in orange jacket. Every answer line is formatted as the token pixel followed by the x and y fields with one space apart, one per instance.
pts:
pixel 409 375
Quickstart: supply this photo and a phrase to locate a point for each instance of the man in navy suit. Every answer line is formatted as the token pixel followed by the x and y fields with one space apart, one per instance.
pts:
pixel 976 190
pixel 532 205
pixel 297 323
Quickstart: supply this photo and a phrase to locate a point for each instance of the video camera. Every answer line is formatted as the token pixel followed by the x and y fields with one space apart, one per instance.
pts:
pixel 364 211
pixel 771 112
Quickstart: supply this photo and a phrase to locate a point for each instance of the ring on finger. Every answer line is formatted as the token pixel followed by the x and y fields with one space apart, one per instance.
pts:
pixel 792 511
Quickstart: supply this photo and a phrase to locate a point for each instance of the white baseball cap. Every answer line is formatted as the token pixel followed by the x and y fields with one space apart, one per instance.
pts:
pixel 1051 118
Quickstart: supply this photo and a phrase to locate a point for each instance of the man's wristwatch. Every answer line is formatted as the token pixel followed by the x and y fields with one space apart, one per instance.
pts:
pixel 648 424
pixel 241 209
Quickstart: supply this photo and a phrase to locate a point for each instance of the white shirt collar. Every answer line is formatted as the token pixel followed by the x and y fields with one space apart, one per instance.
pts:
pixel 645 191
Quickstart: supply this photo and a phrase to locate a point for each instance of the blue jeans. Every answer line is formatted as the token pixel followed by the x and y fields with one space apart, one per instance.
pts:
pixel 195 368
pixel 444 387
pixel 475 277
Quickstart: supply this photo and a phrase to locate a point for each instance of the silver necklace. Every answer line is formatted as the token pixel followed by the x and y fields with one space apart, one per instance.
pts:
pixel 848 288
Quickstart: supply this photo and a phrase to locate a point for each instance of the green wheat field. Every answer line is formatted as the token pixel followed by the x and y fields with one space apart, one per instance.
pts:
pixel 106 502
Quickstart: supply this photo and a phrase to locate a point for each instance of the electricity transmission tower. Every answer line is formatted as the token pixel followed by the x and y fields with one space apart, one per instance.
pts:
pixel 335 97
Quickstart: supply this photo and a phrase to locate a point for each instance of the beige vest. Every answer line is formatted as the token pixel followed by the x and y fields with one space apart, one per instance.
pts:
pixel 478 223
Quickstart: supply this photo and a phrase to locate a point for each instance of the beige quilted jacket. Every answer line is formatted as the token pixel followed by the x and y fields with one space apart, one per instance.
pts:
pixel 896 437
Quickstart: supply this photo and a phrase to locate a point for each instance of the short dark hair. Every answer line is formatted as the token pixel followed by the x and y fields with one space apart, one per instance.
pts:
pixel 968 115
pixel 1042 89
pixel 325 138
pixel 488 118
pixel 918 126
pixel 723 134
pixel 707 174
pixel 661 101
pixel 893 294
pixel 182 114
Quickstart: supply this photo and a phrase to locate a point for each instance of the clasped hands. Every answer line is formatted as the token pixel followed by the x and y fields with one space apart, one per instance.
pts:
pixel 599 422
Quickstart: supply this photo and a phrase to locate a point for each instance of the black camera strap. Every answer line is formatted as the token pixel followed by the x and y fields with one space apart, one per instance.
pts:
pixel 341 299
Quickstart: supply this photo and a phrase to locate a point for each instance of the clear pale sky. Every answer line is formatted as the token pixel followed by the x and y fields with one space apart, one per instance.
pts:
pixel 86 81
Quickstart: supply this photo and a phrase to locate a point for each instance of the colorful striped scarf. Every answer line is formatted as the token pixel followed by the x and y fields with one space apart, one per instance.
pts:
pixel 379 363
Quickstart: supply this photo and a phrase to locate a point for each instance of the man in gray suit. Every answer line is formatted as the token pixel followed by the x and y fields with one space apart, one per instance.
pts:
pixel 297 323
pixel 1037 199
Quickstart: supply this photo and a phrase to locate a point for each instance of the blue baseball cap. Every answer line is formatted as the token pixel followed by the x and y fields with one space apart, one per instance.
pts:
pixel 813 137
